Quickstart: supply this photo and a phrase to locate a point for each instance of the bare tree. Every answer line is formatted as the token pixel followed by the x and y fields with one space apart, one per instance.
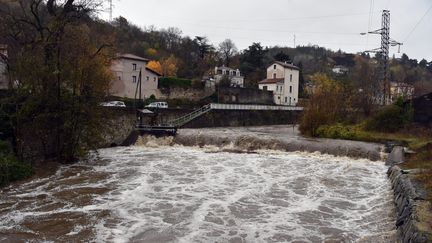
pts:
pixel 227 50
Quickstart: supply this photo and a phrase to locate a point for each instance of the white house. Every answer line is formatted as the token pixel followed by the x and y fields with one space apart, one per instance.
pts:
pixel 339 69
pixel 237 80
pixel 3 77
pixel 126 71
pixel 404 90
pixel 283 80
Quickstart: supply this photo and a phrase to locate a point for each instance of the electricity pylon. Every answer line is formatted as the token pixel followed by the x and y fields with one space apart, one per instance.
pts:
pixel 383 56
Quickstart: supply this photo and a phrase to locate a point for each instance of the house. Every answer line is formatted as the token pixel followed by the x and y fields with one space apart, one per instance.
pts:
pixel 276 85
pixel 404 90
pixel 234 75
pixel 283 80
pixel 3 77
pixel 126 70
pixel 339 69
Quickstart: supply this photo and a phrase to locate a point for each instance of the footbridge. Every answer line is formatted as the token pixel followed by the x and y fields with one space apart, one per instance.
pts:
pixel 170 127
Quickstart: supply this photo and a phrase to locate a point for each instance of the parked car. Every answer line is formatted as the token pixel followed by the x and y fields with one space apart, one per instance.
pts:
pixel 113 103
pixel 157 105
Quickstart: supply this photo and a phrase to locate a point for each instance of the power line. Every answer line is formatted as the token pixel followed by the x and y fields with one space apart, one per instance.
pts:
pixel 268 19
pixel 421 19
pixel 194 24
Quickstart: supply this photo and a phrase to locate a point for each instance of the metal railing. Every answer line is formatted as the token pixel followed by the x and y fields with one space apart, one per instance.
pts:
pixel 218 106
pixel 178 122
pixel 181 121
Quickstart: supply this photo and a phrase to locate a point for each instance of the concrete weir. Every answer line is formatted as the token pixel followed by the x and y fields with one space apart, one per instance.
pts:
pixel 285 138
pixel 411 207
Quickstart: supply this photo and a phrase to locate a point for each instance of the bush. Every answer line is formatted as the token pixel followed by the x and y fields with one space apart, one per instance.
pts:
pixel 390 119
pixel 337 131
pixel 327 105
pixel 166 82
pixel 11 169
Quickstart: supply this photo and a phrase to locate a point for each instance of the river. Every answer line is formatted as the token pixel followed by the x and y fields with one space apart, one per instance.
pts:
pixel 174 193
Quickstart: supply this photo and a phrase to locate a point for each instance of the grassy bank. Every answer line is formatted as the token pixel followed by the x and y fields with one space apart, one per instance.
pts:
pixel 412 136
pixel 11 168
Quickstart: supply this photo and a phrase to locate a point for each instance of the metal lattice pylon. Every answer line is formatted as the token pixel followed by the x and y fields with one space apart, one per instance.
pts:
pixel 383 54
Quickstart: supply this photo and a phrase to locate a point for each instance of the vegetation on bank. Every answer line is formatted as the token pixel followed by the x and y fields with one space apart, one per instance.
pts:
pixel 62 74
pixel 11 168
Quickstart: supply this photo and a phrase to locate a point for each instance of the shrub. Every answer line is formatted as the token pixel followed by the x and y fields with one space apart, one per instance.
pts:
pixel 337 131
pixel 11 169
pixel 166 82
pixel 327 105
pixel 390 119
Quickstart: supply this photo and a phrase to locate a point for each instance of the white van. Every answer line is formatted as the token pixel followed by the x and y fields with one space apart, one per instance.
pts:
pixel 157 105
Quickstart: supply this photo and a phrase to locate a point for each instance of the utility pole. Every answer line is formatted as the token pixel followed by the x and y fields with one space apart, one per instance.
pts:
pixel 383 55
pixel 110 10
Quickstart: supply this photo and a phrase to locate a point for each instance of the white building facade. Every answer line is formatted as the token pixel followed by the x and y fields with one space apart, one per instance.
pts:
pixel 234 75
pixel 126 71
pixel 403 90
pixel 283 80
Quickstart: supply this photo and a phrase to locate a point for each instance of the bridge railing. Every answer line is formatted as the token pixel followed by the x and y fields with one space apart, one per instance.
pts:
pixel 219 106
pixel 190 116
pixel 178 122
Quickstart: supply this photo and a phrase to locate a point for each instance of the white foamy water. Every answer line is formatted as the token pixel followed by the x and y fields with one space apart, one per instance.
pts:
pixel 184 194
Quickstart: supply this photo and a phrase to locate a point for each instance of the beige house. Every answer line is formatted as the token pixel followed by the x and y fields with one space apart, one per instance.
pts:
pixel 3 77
pixel 283 80
pixel 126 71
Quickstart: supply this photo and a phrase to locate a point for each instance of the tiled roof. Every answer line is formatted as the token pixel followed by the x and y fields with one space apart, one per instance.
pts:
pixel 153 71
pixel 271 81
pixel 132 57
pixel 287 65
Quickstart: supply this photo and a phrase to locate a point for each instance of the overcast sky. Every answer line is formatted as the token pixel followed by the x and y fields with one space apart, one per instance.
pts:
pixel 333 24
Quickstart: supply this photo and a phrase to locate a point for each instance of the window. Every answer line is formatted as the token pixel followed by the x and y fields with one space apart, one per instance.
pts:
pixel 286 99
pixel 154 79
pixel 265 88
pixel 147 78
pixel 274 66
pixel 219 71
pixel 134 79
pixel 290 100
pixel 290 77
pixel 290 89
pixel 274 75
pixel 119 78
pixel 134 66
pixel 234 73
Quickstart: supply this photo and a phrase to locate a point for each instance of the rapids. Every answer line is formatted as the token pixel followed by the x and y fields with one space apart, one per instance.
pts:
pixel 190 194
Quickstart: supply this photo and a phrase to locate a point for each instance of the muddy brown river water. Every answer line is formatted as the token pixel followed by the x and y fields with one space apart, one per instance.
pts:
pixel 190 194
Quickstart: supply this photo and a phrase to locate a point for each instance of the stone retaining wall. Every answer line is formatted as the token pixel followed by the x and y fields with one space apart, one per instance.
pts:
pixel 412 210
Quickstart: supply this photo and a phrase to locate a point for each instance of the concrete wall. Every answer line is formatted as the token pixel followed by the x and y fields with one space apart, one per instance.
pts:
pixel 184 93
pixel 234 118
pixel 245 96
